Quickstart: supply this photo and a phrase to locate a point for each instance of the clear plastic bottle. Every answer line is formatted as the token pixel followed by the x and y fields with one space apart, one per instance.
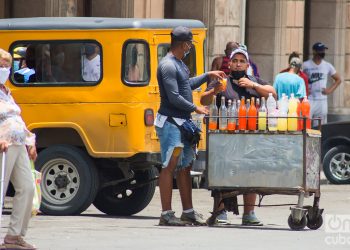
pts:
pixel 262 115
pixel 231 111
pixel 271 110
pixel 213 111
pixel 223 115
pixel 282 113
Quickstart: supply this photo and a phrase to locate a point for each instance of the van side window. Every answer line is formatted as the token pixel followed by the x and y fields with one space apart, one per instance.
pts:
pixel 190 60
pixel 136 63
pixel 56 63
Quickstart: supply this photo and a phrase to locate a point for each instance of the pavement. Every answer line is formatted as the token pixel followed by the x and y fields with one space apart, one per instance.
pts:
pixel 94 230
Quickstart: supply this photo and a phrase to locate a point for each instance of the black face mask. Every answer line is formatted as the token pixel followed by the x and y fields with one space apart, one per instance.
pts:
pixel 321 54
pixel 238 74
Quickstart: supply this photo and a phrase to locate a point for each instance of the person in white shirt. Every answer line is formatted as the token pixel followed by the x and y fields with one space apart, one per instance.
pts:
pixel 318 70
pixel 91 64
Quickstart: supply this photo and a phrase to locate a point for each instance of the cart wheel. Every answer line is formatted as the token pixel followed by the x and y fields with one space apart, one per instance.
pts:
pixel 314 224
pixel 297 225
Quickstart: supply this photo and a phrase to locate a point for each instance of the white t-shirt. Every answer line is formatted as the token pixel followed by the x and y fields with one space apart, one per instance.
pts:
pixel 91 69
pixel 318 77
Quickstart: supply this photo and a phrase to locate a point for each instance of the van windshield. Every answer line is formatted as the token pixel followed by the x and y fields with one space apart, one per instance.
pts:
pixel 56 62
pixel 190 60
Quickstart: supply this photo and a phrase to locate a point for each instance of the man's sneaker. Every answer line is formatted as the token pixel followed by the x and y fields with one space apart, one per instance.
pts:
pixel 251 220
pixel 17 242
pixel 193 218
pixel 169 219
pixel 221 219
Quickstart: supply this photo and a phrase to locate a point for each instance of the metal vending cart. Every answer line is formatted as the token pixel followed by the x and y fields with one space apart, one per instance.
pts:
pixel 266 163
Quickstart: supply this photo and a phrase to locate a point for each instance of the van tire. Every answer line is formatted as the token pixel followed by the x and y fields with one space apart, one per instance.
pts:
pixel 70 180
pixel 112 203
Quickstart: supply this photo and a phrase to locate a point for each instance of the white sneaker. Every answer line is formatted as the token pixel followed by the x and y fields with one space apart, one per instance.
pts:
pixel 221 219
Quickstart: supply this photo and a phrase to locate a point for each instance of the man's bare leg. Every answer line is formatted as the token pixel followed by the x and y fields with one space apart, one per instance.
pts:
pixel 184 183
pixel 166 180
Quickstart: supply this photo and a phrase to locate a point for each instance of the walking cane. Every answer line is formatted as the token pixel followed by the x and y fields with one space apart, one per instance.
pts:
pixel 2 185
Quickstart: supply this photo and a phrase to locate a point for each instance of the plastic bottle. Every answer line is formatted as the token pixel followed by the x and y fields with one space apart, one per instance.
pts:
pixel 237 110
pixel 271 109
pixel 257 103
pixel 213 111
pixel 292 114
pixel 242 115
pixel 282 114
pixel 252 115
pixel 305 111
pixel 262 115
pixel 223 115
pixel 232 114
pixel 300 120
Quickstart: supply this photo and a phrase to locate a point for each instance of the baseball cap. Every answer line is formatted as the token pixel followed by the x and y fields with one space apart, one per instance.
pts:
pixel 319 46
pixel 181 33
pixel 239 51
pixel 295 62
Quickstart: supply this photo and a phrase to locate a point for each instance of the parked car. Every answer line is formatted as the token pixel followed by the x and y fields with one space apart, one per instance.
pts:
pixel 336 151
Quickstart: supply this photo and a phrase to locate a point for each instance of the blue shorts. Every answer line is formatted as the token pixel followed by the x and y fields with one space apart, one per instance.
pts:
pixel 170 137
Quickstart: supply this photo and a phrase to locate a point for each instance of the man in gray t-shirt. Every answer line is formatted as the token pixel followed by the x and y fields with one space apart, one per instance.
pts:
pixel 176 106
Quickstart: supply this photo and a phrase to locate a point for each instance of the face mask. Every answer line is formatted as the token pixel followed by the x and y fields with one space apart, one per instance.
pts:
pixel 321 54
pixel 186 53
pixel 4 75
pixel 237 74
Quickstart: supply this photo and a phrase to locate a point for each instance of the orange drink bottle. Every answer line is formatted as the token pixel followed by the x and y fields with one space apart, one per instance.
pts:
pixel 252 115
pixel 305 110
pixel 213 111
pixel 300 121
pixel 242 115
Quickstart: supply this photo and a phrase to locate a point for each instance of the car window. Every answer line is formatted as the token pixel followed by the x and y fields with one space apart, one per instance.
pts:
pixel 189 60
pixel 136 62
pixel 56 63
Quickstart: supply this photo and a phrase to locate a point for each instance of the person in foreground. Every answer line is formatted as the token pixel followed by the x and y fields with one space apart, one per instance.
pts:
pixel 239 84
pixel 19 147
pixel 176 107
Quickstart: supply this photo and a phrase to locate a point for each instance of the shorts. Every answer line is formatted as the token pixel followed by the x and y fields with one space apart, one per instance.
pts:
pixel 170 137
pixel 319 109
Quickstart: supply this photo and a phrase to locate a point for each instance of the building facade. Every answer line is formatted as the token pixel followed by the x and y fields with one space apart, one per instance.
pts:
pixel 271 29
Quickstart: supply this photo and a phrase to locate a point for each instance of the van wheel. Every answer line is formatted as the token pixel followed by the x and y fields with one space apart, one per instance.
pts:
pixel 69 180
pixel 112 201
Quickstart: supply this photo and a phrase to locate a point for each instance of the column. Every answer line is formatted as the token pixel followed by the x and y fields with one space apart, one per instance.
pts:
pixel 274 30
pixel 329 23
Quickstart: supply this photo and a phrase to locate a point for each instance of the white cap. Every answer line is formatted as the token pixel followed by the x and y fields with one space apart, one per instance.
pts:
pixel 239 51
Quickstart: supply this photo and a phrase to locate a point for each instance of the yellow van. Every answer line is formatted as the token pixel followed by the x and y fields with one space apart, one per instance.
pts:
pixel 87 88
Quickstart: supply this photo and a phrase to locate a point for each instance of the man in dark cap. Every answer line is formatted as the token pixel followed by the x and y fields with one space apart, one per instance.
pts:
pixel 176 107
pixel 318 70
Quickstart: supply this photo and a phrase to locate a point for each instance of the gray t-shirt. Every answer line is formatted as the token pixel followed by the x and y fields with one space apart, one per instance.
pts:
pixel 176 87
